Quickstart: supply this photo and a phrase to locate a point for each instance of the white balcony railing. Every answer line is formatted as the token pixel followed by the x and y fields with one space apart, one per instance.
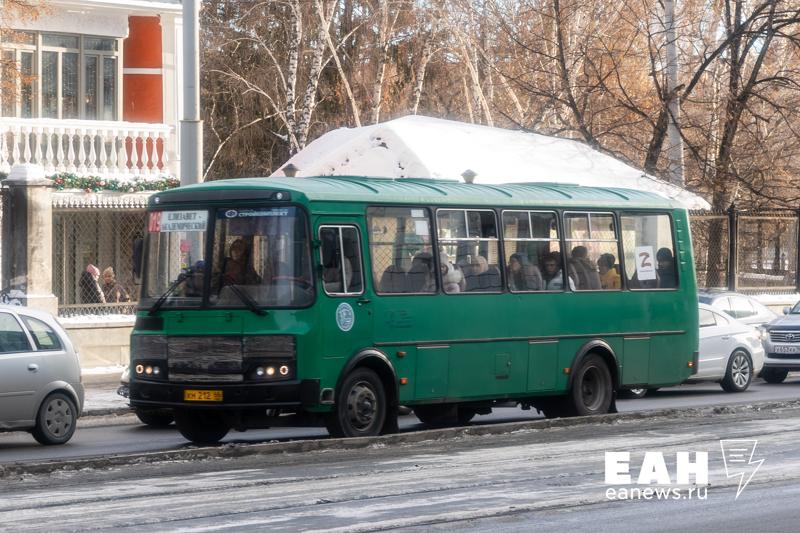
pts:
pixel 86 147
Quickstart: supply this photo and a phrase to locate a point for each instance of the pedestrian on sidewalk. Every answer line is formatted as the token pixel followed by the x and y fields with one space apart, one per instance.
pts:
pixel 90 289
pixel 113 290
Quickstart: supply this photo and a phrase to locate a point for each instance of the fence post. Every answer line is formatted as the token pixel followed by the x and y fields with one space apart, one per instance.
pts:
pixel 31 240
pixel 733 238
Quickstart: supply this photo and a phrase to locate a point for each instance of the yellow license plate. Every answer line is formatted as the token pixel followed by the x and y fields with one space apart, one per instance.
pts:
pixel 202 395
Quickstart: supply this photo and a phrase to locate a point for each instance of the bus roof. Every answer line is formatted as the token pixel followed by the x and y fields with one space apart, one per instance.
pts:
pixel 422 191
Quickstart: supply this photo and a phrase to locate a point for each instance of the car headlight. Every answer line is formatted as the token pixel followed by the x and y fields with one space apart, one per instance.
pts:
pixel 763 334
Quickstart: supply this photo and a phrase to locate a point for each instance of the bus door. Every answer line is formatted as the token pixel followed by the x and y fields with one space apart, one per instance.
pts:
pixel 345 311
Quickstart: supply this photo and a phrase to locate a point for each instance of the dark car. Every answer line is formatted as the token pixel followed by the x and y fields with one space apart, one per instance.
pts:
pixel 782 345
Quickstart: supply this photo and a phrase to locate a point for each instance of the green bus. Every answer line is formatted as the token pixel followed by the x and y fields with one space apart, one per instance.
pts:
pixel 338 300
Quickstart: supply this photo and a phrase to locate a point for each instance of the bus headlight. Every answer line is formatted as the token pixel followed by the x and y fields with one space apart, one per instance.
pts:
pixel 149 369
pixel 271 371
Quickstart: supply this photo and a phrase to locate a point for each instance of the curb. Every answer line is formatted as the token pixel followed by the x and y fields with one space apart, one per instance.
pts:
pixel 229 451
pixel 105 411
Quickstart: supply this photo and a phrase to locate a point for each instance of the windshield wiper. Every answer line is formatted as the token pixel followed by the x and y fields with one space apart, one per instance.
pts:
pixel 183 276
pixel 247 299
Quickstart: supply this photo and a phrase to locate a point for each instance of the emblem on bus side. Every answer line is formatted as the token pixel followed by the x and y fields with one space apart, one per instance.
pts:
pixel 345 318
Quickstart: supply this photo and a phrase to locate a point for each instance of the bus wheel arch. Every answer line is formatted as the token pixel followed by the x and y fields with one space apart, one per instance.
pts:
pixel 591 354
pixel 378 363
pixel 603 350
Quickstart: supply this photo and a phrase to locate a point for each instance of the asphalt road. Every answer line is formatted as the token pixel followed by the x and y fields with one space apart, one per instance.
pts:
pixel 127 436
pixel 529 479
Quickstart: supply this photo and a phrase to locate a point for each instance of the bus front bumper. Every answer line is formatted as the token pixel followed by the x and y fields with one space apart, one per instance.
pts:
pixel 303 393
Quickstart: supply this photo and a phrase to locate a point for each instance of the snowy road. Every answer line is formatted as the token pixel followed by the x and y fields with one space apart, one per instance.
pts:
pixel 515 481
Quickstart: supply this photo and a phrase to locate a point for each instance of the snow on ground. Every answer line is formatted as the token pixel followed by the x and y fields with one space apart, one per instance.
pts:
pixel 95 319
pixel 425 147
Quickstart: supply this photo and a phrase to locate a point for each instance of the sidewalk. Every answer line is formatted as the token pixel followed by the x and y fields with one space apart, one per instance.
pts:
pixel 100 386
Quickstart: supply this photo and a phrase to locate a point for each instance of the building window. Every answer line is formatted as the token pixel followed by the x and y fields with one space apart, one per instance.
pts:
pixel 59 76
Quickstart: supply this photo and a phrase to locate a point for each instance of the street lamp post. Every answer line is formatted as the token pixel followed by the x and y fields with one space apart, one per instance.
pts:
pixel 191 125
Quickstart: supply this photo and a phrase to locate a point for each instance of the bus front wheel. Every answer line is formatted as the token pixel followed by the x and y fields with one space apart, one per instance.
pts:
pixel 201 427
pixel 592 388
pixel 360 408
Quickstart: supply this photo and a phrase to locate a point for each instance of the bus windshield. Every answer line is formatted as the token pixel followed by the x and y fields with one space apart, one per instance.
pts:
pixel 260 257
pixel 261 254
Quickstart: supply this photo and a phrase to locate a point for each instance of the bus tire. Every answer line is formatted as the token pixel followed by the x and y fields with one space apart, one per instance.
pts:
pixel 360 407
pixel 592 388
pixel 437 415
pixel 157 418
pixel 466 414
pixel 201 427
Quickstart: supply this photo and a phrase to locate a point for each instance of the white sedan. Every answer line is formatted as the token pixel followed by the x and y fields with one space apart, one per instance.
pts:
pixel 731 353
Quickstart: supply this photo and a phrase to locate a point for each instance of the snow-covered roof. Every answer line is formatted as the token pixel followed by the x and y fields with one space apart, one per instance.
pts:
pixel 425 147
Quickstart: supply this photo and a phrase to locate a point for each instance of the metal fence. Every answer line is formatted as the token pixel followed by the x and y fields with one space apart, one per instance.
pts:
pixel 102 237
pixel 746 251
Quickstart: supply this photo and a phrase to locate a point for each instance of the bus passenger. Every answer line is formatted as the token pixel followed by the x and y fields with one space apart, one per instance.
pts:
pixel 552 276
pixel 666 269
pixel 588 278
pixel 477 266
pixel 609 277
pixel 420 276
pixel 452 277
pixel 393 280
pixel 523 276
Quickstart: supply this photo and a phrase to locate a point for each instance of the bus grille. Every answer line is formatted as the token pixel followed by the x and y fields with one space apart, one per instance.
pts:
pixel 205 359
pixel 225 359
pixel 784 336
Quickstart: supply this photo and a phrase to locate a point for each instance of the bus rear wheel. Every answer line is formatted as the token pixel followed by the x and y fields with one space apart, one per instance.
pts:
pixel 360 408
pixel 592 388
pixel 201 427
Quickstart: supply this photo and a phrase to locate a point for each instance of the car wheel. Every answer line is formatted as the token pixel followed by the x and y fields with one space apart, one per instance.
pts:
pixel 739 373
pixel 360 409
pixel 56 420
pixel 201 427
pixel 158 418
pixel 592 388
pixel 632 394
pixel 774 375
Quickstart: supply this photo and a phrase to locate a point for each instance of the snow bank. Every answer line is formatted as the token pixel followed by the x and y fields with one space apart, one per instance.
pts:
pixel 425 147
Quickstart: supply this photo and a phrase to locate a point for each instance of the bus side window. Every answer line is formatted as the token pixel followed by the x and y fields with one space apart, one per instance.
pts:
pixel 592 250
pixel 533 261
pixel 649 251
pixel 340 257
pixel 469 241
pixel 401 251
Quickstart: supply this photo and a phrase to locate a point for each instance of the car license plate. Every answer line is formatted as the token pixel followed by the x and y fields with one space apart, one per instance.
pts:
pixel 786 349
pixel 202 395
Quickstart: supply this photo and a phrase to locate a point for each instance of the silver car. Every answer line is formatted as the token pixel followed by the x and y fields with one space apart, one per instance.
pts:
pixel 739 306
pixel 40 376
pixel 731 353
pixel 782 345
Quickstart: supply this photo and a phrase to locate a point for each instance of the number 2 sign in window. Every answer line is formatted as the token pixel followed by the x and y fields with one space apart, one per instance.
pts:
pixel 645 263
pixel 649 251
